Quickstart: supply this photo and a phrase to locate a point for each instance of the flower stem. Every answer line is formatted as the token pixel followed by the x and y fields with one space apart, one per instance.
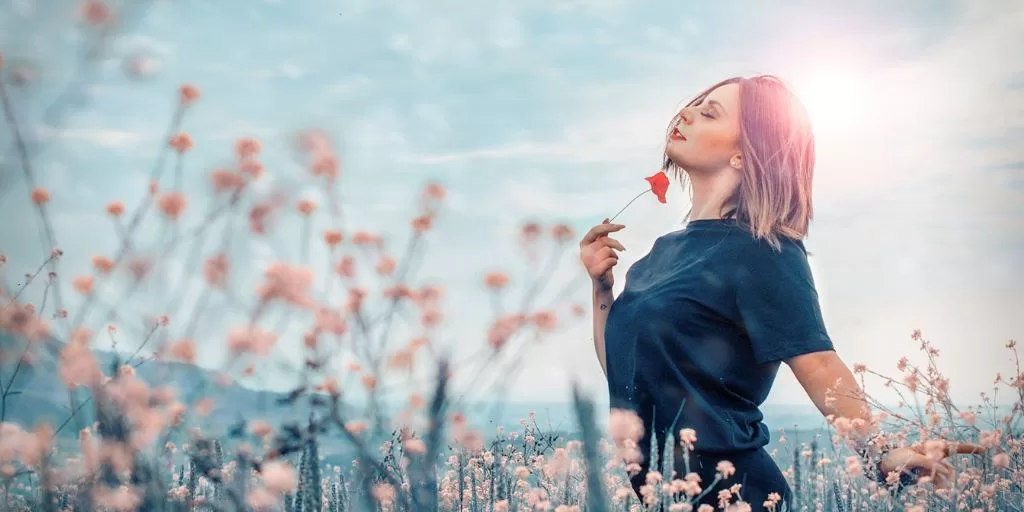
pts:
pixel 629 203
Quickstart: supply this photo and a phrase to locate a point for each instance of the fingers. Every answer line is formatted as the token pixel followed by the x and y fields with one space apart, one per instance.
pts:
pixel 953 448
pixel 607 252
pixel 599 230
pixel 606 265
pixel 611 242
pixel 940 473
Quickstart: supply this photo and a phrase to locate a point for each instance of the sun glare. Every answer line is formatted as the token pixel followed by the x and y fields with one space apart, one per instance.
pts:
pixel 836 100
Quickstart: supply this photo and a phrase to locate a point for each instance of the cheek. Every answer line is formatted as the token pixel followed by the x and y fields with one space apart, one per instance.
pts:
pixel 716 141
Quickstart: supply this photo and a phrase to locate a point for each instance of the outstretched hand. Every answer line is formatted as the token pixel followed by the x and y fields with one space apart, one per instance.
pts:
pixel 928 461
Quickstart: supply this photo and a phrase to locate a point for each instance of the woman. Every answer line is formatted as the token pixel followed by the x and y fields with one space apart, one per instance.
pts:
pixel 705 320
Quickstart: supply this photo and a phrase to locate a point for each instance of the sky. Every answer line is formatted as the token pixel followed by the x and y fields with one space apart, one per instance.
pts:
pixel 547 111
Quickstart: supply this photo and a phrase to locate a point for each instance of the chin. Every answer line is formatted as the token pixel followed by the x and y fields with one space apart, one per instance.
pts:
pixel 678 157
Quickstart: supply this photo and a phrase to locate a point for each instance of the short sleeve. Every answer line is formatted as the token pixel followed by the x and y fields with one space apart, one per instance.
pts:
pixel 778 302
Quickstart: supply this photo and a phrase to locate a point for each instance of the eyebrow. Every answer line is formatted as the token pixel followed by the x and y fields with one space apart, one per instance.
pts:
pixel 713 102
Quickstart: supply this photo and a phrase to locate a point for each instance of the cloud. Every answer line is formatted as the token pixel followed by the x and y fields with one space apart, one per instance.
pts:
pixel 103 137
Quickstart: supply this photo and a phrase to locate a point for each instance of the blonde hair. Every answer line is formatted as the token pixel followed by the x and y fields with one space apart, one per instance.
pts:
pixel 773 198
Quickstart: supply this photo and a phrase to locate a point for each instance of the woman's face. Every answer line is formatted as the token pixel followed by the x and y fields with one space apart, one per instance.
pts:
pixel 706 135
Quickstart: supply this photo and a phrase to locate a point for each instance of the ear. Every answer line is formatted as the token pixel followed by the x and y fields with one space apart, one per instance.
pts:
pixel 736 162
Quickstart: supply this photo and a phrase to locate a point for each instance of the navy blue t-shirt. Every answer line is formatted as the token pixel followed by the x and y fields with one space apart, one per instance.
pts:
pixel 702 325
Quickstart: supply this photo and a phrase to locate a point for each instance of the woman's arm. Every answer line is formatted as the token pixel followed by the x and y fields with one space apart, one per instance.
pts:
pixel 832 387
pixel 602 303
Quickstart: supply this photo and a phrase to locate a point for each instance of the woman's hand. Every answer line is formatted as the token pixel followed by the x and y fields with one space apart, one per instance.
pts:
pixel 597 253
pixel 923 460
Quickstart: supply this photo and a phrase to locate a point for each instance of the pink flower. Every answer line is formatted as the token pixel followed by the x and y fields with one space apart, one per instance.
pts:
pixel 306 206
pixel 181 142
pixel 365 238
pixel 120 499
pixel 83 284
pixel 78 366
pixel 96 12
pixel 1001 460
pixel 246 148
pixel 251 340
pixel 252 168
pixel 496 280
pixel 356 427
pixel 385 266
pixel 215 270
pixel 330 321
pixel 102 264
pixel 115 208
pixel 502 330
pixel 688 437
pixel 434 191
pixel 184 350
pixel 332 237
pixel 172 204
pixel 384 493
pixel 261 429
pixel 325 164
pixel 225 180
pixel 261 498
pixel 290 283
pixel 279 476
pixel 725 468
pixel 40 196
pixel 346 267
pixel 188 94
pixel 546 321
pixel 422 223
pixel 562 233
pixel 625 424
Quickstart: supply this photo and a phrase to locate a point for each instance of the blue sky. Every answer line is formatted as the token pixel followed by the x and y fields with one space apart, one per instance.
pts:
pixel 554 111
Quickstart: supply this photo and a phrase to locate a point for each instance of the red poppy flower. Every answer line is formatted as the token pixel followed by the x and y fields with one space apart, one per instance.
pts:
pixel 659 185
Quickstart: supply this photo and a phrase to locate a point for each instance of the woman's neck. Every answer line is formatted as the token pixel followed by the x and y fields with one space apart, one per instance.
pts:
pixel 712 195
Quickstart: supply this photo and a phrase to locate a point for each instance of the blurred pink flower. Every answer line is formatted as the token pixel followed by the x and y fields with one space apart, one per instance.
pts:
pixel 306 206
pixel 123 498
pixel 496 280
pixel 261 498
pixel 1001 460
pixel 115 208
pixel 250 339
pixel 345 267
pixel 279 476
pixel 172 204
pixel 181 142
pixel 188 94
pixel 40 196
pixel 78 366
pixel 83 284
pixel 385 266
pixel 96 12
pixel 226 180
pixel 102 264
pixel 422 223
pixel 287 282
pixel 562 233
pixel 252 168
pixel 332 237
pixel 216 269
pixel 247 147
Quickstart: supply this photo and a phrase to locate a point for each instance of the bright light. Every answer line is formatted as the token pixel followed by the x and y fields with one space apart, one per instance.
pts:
pixel 837 101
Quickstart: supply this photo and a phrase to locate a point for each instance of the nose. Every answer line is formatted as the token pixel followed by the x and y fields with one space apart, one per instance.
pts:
pixel 685 117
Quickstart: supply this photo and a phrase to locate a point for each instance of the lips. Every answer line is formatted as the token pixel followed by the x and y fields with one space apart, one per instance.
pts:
pixel 676 135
